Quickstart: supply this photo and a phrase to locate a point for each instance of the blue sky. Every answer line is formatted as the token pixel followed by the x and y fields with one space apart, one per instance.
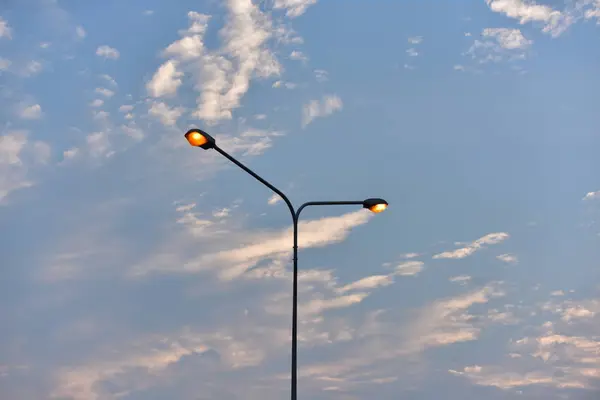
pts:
pixel 137 267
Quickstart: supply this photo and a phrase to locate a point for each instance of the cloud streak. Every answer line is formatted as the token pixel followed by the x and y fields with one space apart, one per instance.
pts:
pixel 319 109
pixel 471 248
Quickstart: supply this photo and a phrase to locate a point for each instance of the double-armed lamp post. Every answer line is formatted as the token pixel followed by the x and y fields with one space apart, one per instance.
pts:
pixel 199 138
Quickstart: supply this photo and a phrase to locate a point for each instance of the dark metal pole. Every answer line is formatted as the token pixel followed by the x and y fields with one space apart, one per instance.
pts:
pixel 294 382
pixel 295 285
pixel 295 218
pixel 295 269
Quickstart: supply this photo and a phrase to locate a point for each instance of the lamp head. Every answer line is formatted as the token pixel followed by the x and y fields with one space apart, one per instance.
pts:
pixel 375 205
pixel 199 138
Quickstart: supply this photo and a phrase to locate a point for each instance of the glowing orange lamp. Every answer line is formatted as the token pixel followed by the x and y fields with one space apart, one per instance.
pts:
pixel 375 205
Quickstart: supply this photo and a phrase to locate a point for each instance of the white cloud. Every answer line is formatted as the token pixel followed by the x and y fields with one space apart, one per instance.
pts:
pixel 471 248
pixel 415 39
pixel 5 30
pixel 166 80
pixel 409 268
pixel 317 306
pixel 508 38
pixel 412 52
pixel 499 44
pixel 12 173
pixel 104 92
pixel 107 52
pixel 80 32
pixel 10 147
pixel 577 312
pixel 461 279
pixel 33 111
pixel 369 282
pixel 446 321
pixel 317 109
pixel 490 377
pixel 245 54
pixel 4 64
pixel 223 75
pixel 100 115
pixel 274 199
pixel 376 344
pixel 168 116
pixel 294 8
pixel 410 255
pixel 125 108
pixel 133 131
pixel 78 383
pixel 287 85
pixel 17 155
pixel 526 11
pixel 70 153
pixel 321 75
pixel 97 103
pixel 594 11
pixel 187 48
pixel 32 68
pixel 561 354
pixel 99 144
pixel 508 258
pixel 109 79
pixel 298 55
pixel 592 196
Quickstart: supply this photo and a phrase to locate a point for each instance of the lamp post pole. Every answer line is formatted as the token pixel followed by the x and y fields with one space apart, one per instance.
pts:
pixel 201 139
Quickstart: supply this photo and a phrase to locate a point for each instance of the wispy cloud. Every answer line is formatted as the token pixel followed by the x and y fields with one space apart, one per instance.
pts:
pixel 17 157
pixel 528 11
pixel 5 30
pixel 554 22
pixel 274 199
pixel 165 81
pixel 80 32
pixel 166 114
pixel 412 52
pixel 592 196
pixel 554 358
pixel 499 44
pixel 471 248
pixel 97 103
pixel 33 111
pixel 107 52
pixel 104 92
pixel 287 85
pixel 508 258
pixel 410 268
pixel 294 8
pixel 225 74
pixel 298 55
pixel 318 109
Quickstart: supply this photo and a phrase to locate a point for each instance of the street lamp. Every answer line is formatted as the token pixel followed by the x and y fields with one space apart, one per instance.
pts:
pixel 199 138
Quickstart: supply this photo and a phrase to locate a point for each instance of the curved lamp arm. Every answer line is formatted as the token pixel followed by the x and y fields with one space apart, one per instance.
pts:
pixel 326 203
pixel 258 178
